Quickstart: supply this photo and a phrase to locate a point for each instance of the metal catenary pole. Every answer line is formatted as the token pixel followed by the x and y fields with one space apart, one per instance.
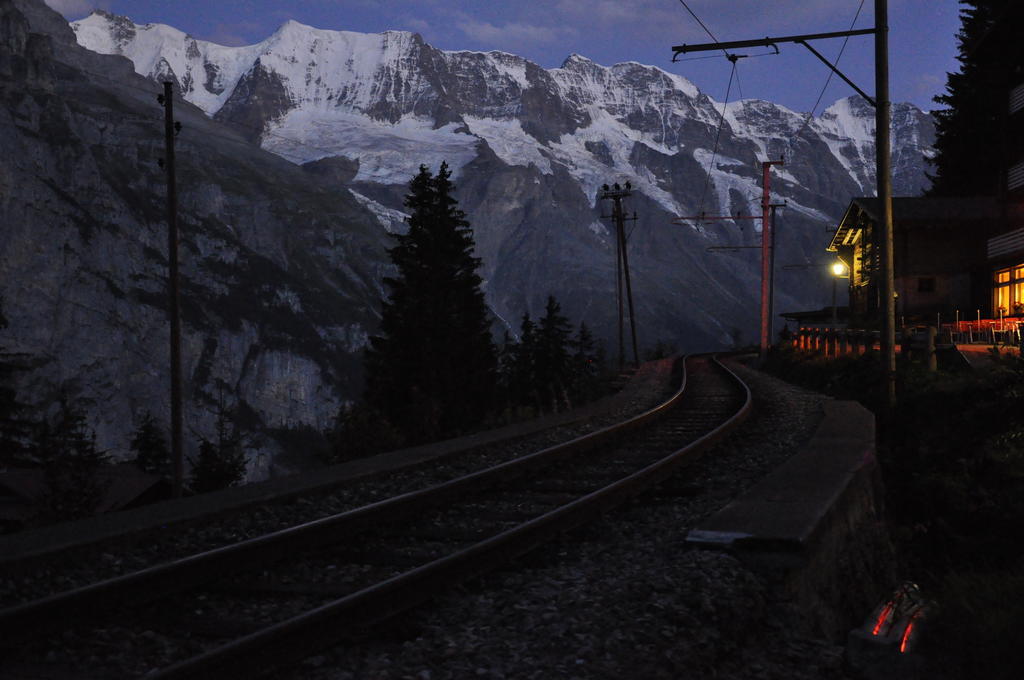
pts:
pixel 767 246
pixel 883 170
pixel 771 269
pixel 883 173
pixel 767 252
pixel 174 308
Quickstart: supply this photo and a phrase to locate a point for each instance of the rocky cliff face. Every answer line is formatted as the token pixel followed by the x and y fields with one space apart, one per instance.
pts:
pixel 281 266
pixel 284 251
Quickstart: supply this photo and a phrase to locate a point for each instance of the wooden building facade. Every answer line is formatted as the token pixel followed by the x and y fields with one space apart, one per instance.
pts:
pixel 941 251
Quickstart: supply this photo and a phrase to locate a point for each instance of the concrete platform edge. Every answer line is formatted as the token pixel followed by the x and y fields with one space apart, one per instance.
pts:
pixel 792 505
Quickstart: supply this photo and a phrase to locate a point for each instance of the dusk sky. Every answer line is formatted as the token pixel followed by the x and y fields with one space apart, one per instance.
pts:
pixel 922 37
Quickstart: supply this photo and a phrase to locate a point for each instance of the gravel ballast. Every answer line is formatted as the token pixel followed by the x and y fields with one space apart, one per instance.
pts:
pixel 82 566
pixel 626 597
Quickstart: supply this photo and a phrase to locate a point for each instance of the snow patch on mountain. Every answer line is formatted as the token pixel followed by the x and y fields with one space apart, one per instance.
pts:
pixel 393 220
pixel 848 128
pixel 724 183
pixel 388 153
pixel 509 142
pixel 617 140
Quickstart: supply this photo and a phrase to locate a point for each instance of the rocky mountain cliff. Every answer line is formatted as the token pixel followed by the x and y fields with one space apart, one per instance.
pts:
pixel 281 269
pixel 293 161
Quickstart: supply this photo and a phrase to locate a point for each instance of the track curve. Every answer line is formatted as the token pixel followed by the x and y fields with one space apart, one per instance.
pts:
pixel 450 532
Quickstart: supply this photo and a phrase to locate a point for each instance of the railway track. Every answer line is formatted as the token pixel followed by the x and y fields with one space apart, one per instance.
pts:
pixel 244 609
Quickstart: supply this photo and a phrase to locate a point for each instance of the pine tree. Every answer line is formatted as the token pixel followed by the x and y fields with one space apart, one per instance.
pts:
pixel 66 449
pixel 431 369
pixel 586 365
pixel 552 356
pixel 150 446
pixel 523 378
pixel 971 130
pixel 359 431
pixel 220 463
pixel 15 431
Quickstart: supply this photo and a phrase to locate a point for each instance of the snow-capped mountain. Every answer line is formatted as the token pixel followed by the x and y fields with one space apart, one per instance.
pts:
pixel 393 102
pixel 283 252
pixel 530 148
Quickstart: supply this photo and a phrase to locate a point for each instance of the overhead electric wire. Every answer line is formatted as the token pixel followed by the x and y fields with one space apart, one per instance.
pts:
pixel 697 19
pixel 828 79
pixel 733 75
pixel 718 137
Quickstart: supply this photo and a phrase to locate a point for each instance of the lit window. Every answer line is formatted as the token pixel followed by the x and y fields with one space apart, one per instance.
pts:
pixel 1018 272
pixel 1002 300
pixel 1003 276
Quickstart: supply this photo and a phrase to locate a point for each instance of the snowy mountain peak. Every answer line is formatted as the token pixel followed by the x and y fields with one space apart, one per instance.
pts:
pixel 392 101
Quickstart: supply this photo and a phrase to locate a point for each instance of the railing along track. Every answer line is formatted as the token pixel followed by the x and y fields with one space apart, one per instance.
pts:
pixel 684 414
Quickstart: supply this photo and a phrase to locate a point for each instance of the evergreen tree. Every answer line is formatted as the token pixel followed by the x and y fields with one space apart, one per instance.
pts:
pixel 552 356
pixel 431 369
pixel 971 130
pixel 152 454
pixel 586 362
pixel 15 431
pixel 359 431
pixel 523 377
pixel 66 449
pixel 221 463
pixel 507 352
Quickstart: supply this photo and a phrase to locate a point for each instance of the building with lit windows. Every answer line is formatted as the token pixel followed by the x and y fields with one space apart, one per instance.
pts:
pixel 942 265
pixel 1006 250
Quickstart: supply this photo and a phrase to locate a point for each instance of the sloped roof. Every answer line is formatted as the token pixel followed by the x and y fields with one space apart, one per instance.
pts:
pixel 920 210
pixel 926 209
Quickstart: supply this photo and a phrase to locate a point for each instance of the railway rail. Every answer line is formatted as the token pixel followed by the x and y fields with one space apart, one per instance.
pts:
pixel 241 610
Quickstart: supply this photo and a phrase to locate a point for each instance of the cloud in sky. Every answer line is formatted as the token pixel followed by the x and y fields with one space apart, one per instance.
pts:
pixel 417 25
pixel 233 34
pixel 76 8
pixel 512 35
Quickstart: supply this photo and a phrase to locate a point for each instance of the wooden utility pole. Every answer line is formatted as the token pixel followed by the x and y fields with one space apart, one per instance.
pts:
pixel 883 170
pixel 173 288
pixel 616 194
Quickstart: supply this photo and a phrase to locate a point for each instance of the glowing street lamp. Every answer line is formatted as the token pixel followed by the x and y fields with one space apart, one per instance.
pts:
pixel 839 271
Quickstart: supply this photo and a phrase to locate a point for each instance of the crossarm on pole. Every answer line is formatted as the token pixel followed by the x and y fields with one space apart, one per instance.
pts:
pixel 765 42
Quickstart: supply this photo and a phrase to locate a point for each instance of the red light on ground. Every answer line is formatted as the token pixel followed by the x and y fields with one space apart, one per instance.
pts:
pixel 881 618
pixel 906 633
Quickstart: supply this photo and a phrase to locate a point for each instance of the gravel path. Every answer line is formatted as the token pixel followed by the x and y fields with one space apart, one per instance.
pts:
pixel 623 598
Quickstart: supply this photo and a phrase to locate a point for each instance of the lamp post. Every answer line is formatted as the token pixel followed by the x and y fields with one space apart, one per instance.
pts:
pixel 839 271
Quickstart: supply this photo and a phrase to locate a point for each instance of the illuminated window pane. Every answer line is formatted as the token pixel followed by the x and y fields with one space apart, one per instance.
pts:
pixel 1018 298
pixel 1018 272
pixel 1002 299
pixel 1003 276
